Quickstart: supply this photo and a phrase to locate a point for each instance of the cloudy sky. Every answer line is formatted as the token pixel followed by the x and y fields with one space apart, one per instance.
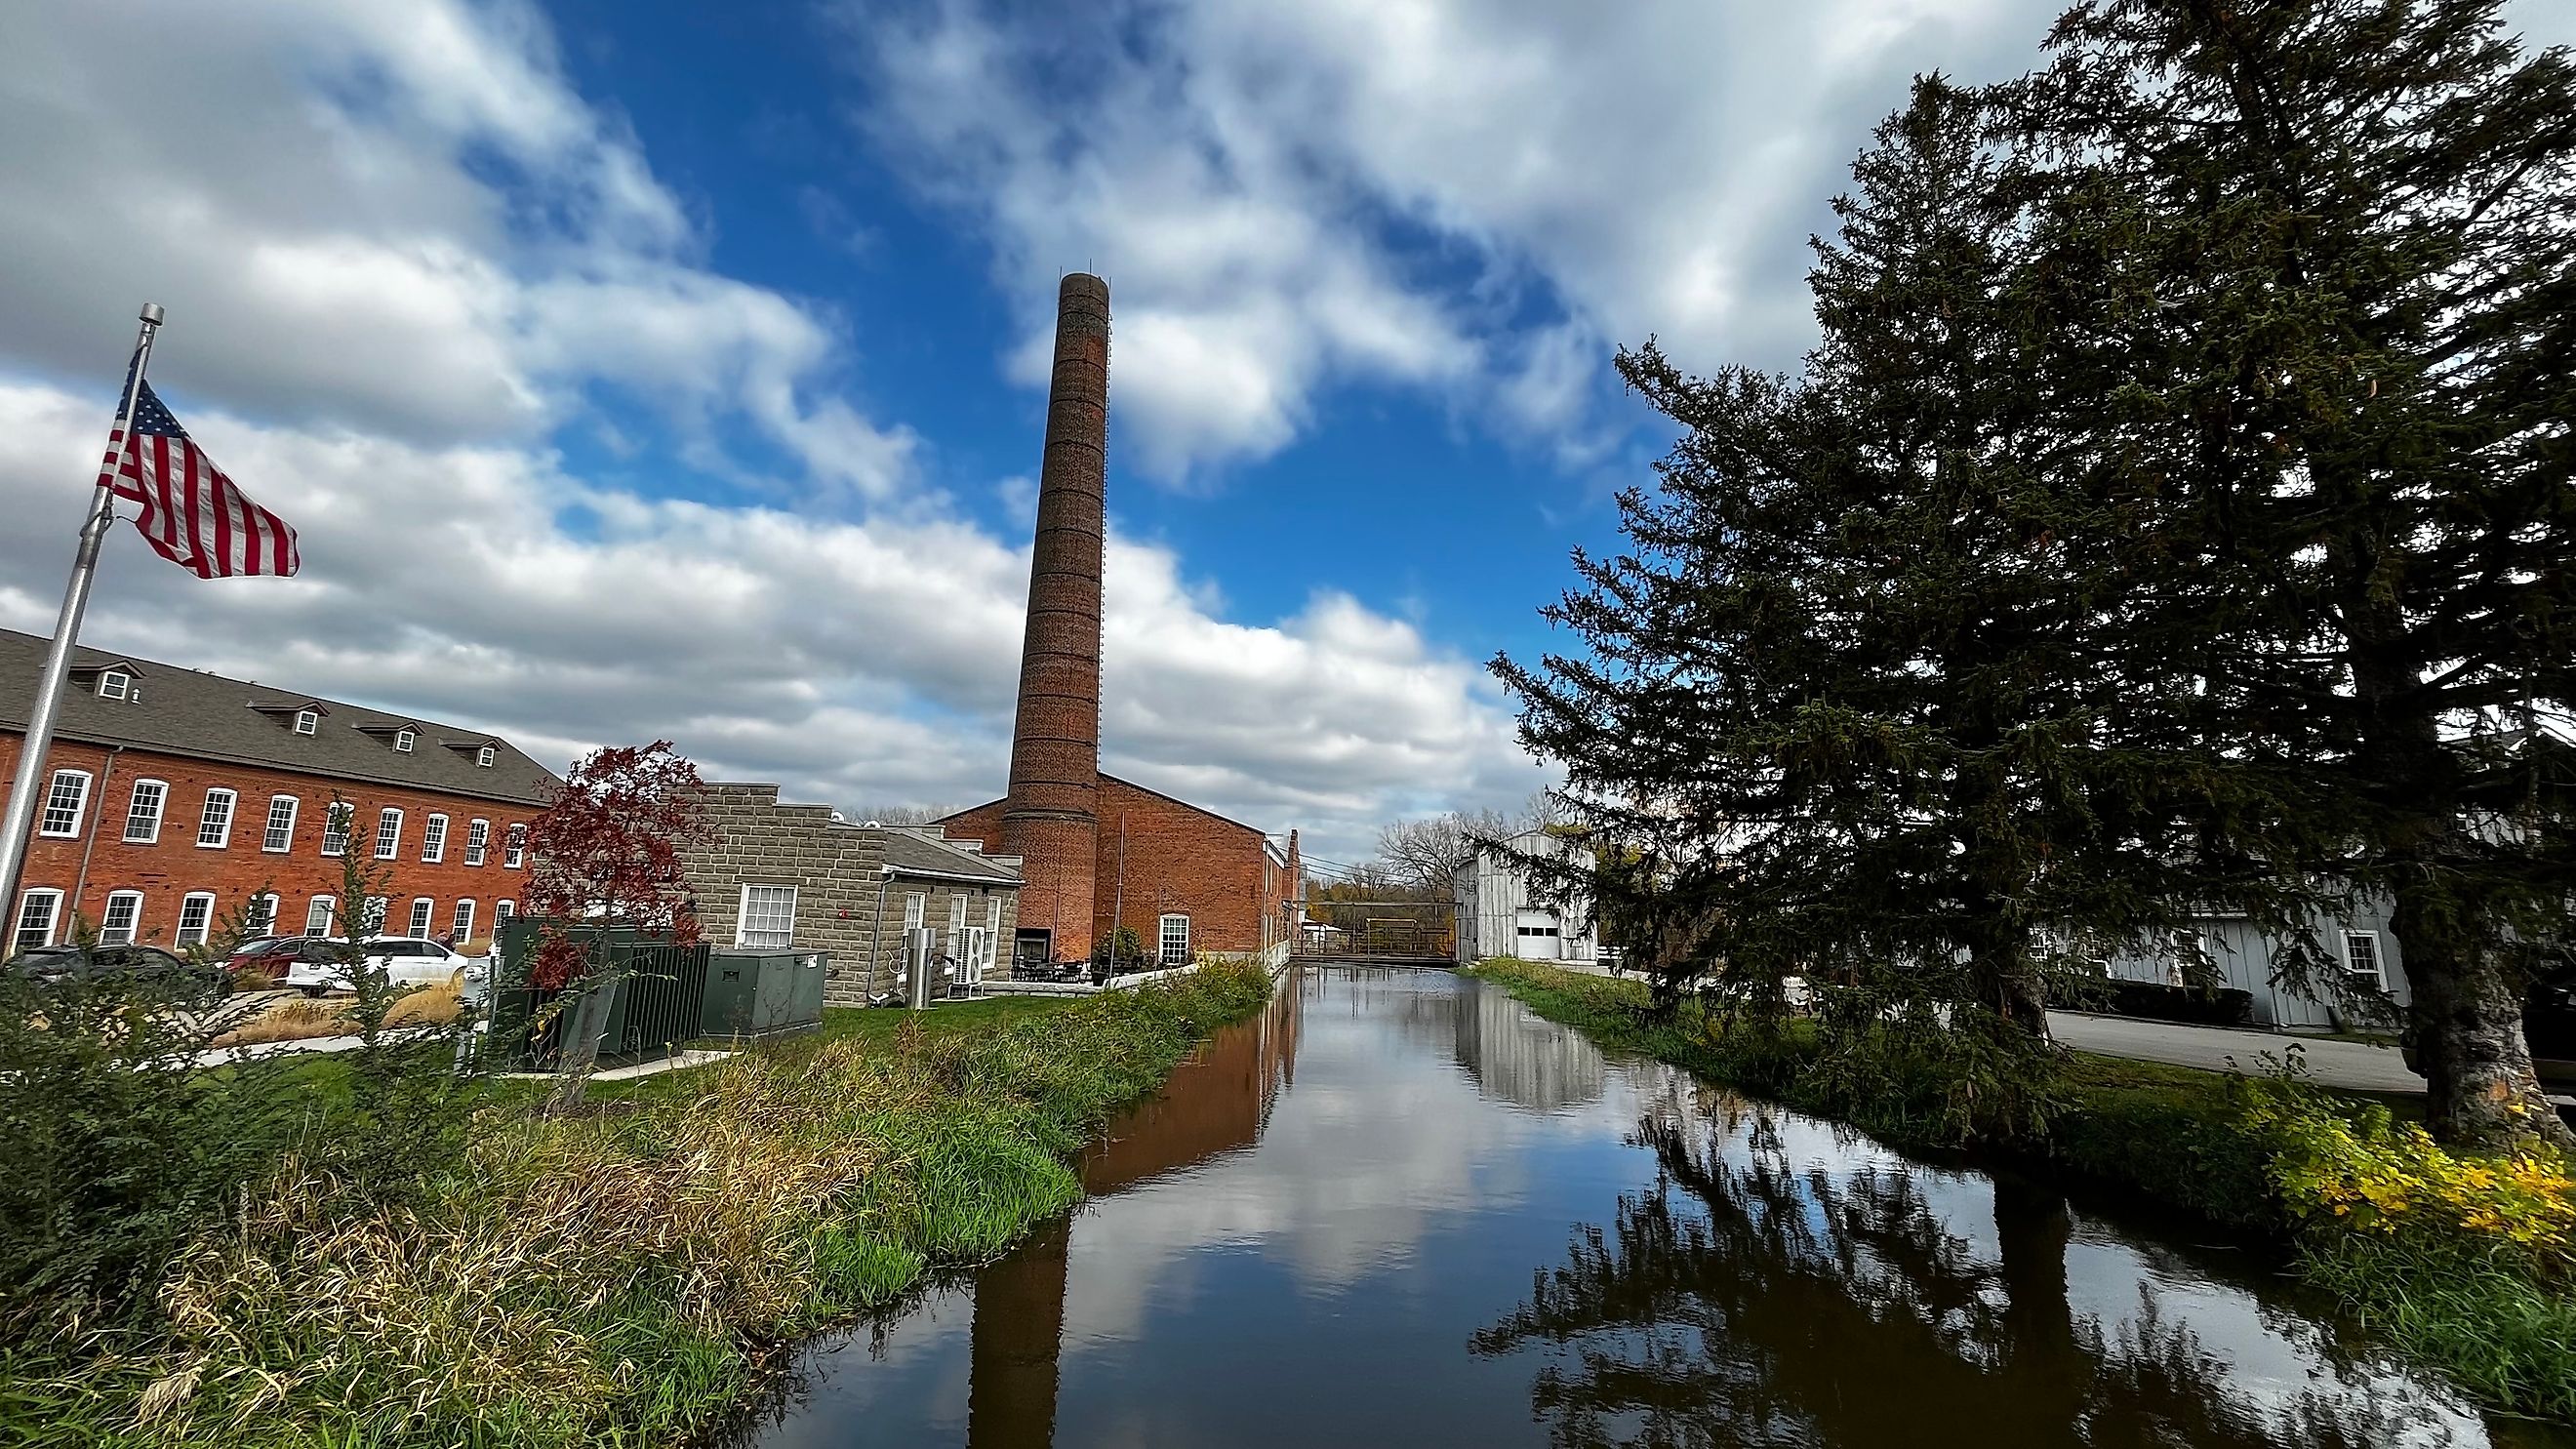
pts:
pixel 640 368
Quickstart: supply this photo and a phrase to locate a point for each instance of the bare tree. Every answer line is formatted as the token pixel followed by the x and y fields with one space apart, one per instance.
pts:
pixel 898 814
pixel 1422 854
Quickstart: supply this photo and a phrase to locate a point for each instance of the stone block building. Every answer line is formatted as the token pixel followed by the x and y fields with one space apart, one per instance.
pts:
pixel 779 875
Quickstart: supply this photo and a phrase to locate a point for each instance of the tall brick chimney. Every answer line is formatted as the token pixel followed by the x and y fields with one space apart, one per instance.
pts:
pixel 1051 818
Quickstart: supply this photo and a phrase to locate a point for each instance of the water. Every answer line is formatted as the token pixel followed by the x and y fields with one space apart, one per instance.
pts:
pixel 1400 1209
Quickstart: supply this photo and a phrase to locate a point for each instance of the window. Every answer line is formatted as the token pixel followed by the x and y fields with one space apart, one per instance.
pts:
pixel 1175 934
pixel 433 839
pixel 36 913
pixel 64 800
pixel 281 824
pixel 483 757
pixel 914 904
pixel 215 824
pixel 305 721
pixel 461 925
pixel 502 911
pixel 422 909
pixel 124 910
pixel 956 913
pixel 371 916
pixel 317 916
pixel 993 915
pixel 111 685
pixel 388 833
pixel 478 840
pixel 515 854
pixel 768 917
pixel 196 912
pixel 143 812
pixel 259 916
pixel 335 827
pixel 404 740
pixel 2361 958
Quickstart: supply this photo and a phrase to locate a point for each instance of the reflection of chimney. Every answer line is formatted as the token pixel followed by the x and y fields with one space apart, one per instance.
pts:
pixel 1013 1342
pixel 1050 818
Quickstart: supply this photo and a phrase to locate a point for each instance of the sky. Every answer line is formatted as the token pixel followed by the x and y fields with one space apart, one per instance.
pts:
pixel 640 369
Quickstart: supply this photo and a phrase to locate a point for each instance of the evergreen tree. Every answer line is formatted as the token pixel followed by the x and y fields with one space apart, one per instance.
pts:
pixel 2322 251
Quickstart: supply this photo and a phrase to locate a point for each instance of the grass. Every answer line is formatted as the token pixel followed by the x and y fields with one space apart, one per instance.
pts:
pixel 305 1020
pixel 624 1277
pixel 2498 1321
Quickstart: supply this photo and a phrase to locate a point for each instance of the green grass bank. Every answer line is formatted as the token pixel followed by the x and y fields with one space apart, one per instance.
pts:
pixel 2461 1263
pixel 622 1277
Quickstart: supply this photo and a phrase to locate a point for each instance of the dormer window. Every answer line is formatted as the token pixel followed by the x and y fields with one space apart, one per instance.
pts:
pixel 306 721
pixel 114 683
pixel 404 740
pixel 483 757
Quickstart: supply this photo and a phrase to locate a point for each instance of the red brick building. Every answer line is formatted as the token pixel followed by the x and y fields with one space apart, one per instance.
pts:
pixel 173 797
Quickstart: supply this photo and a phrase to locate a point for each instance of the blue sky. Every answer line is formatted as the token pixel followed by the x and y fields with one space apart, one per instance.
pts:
pixel 637 369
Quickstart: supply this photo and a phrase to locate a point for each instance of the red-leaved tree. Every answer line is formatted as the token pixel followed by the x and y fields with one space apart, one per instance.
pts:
pixel 608 848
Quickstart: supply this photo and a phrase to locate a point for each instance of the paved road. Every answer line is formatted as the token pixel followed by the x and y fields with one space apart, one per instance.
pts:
pixel 2351 1065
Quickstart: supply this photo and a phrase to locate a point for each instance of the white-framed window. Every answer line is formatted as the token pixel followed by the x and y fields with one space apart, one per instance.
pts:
pixel 335 827
pixel 404 740
pixel 2361 958
pixel 514 854
pixel 259 916
pixel 306 721
pixel 116 923
pixel 388 833
pixel 280 832
pixel 215 822
pixel 503 910
pixel 143 811
pixel 196 913
pixel 993 915
pixel 371 916
pixel 478 840
pixel 915 907
pixel 461 925
pixel 38 912
pixel 318 916
pixel 65 797
pixel 111 685
pixel 768 917
pixel 956 913
pixel 1172 932
pixel 422 910
pixel 483 757
pixel 433 839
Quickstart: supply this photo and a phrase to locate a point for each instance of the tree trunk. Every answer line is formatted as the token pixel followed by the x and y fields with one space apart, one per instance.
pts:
pixel 2005 976
pixel 2467 1018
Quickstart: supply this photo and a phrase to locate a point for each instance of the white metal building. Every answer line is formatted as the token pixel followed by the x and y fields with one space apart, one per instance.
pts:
pixel 2242 955
pixel 1497 915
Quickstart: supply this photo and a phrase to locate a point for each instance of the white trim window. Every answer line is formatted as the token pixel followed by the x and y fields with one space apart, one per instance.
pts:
pixel 259 916
pixel 433 840
pixel 993 915
pixel 143 811
pixel 279 834
pixel 483 757
pixel 461 925
pixel 371 916
pixel 502 910
pixel 112 684
pixel 196 916
pixel 2361 959
pixel 768 919
pixel 423 909
pixel 215 822
pixel 478 841
pixel 66 795
pixel 118 920
pixel 405 740
pixel 956 914
pixel 916 907
pixel 1172 937
pixel 306 721
pixel 38 913
pixel 388 833
pixel 335 827
pixel 514 851
pixel 319 916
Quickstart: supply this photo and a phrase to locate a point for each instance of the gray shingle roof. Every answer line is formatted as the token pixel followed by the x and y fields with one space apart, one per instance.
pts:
pixel 206 716
pixel 909 852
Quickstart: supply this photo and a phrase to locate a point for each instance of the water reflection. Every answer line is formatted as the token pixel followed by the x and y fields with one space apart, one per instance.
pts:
pixel 1743 1300
pixel 1522 1058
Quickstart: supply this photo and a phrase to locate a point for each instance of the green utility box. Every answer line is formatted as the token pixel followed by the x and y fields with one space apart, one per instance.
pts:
pixel 652 987
pixel 763 993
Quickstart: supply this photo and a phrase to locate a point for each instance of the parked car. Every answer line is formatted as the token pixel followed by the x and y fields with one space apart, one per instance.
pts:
pixel 53 965
pixel 2548 1026
pixel 405 960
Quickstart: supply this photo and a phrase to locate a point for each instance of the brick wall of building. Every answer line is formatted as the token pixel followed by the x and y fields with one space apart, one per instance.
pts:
pixel 174 866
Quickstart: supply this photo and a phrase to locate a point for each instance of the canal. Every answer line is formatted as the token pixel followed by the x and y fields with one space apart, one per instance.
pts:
pixel 1400 1209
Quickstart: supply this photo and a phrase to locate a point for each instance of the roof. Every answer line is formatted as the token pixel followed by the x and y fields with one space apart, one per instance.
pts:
pixel 1110 779
pixel 909 852
pixel 205 716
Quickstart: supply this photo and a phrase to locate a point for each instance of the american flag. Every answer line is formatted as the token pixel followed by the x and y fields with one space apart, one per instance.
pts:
pixel 192 514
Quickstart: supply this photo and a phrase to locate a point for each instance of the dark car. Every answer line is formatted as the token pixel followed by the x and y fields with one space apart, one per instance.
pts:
pixel 54 965
pixel 2548 1027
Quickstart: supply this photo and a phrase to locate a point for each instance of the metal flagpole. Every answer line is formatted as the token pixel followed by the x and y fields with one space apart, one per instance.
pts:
pixel 24 794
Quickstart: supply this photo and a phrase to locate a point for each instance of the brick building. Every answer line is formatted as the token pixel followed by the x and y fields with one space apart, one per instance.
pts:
pixel 798 875
pixel 174 797
pixel 1096 851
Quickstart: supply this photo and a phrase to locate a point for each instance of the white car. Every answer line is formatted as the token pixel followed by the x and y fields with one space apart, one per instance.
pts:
pixel 407 961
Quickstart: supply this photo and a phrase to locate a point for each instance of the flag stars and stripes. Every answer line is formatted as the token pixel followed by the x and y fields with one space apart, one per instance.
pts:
pixel 192 514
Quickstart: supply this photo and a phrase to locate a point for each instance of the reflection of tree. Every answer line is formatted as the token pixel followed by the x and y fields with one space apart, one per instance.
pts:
pixel 1748 1304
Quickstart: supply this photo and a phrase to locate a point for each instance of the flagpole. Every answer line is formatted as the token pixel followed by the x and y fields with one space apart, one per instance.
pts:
pixel 24 795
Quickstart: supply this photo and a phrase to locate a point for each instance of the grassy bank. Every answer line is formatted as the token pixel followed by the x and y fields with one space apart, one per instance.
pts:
pixel 2464 1264
pixel 621 1277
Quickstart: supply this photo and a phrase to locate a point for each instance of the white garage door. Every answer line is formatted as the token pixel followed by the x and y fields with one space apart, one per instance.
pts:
pixel 1540 939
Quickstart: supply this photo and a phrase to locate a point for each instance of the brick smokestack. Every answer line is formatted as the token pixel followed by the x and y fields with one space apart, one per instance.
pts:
pixel 1051 817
